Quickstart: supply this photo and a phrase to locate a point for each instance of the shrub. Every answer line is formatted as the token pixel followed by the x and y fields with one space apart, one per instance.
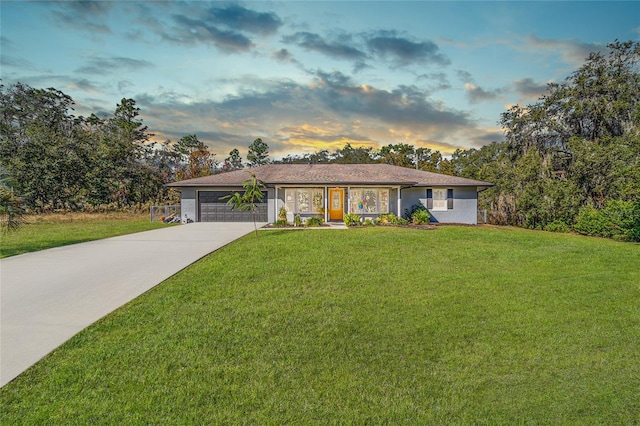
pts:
pixel 351 219
pixel 281 223
pixel 420 217
pixel 408 213
pixel 557 226
pixel 314 221
pixel 297 220
pixel 368 222
pixel 618 220
pixel 282 214
pixel 391 219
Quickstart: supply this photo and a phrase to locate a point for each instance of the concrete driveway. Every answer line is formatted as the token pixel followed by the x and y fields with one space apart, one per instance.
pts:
pixel 48 296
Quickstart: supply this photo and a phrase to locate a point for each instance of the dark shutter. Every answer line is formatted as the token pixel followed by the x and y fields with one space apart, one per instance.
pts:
pixel 449 199
pixel 429 199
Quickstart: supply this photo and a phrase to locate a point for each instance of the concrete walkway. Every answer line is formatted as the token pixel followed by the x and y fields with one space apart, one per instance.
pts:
pixel 48 296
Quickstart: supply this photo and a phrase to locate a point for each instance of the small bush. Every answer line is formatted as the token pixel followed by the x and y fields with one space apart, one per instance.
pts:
pixel 282 214
pixel 297 220
pixel 391 219
pixel 557 226
pixel 368 222
pixel 408 213
pixel 420 217
pixel 314 221
pixel 281 223
pixel 351 219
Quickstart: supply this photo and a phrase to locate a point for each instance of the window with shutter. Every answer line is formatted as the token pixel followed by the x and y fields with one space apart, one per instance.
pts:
pixel 429 199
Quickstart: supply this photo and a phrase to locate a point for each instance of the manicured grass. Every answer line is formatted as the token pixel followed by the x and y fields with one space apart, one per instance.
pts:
pixel 47 231
pixel 457 325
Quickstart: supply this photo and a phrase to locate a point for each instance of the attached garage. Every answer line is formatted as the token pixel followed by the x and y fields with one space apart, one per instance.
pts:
pixel 213 207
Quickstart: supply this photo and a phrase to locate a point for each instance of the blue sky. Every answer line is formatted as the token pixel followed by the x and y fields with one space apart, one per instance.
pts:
pixel 308 75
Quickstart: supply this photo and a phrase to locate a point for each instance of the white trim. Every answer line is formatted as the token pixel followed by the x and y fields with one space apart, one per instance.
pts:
pixel 439 203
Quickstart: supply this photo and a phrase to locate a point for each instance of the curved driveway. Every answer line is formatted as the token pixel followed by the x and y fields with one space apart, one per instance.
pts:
pixel 46 297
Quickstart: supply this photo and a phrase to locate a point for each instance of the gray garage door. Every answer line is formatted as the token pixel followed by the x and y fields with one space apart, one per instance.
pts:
pixel 211 208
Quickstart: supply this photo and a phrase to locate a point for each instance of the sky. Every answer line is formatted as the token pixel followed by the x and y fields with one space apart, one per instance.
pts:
pixel 308 75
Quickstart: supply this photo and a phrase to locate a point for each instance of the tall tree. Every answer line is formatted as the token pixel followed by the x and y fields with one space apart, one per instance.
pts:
pixel 398 155
pixel 199 161
pixel 39 149
pixel 351 155
pixel 233 161
pixel 258 153
pixel 12 211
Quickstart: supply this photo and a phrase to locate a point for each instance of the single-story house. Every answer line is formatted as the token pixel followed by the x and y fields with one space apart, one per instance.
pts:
pixel 331 190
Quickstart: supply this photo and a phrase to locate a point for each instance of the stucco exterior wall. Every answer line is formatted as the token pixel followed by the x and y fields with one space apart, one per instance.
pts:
pixel 188 207
pixel 465 205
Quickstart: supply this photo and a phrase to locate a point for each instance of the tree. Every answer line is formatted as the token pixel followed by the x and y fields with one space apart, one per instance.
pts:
pixel 39 146
pixel 199 160
pixel 579 145
pixel 258 154
pixel 351 155
pixel 248 201
pixel 402 155
pixel 12 211
pixel 233 161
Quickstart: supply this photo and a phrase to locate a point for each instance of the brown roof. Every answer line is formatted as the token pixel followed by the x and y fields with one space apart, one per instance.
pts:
pixel 332 174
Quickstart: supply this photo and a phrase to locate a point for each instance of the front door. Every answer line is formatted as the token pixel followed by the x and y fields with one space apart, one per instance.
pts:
pixel 336 206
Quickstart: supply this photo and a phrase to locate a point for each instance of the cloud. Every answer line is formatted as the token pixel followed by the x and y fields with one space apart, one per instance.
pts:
pixel 435 81
pixel 325 113
pixel 85 86
pixel 573 52
pixel 402 51
pixel 285 56
pixel 387 46
pixel 228 28
pixel 474 93
pixel 192 31
pixel 343 49
pixel 242 19
pixel 10 61
pixel 113 64
pixel 404 105
pixel 529 88
pixel 477 94
pixel 465 76
pixel 83 15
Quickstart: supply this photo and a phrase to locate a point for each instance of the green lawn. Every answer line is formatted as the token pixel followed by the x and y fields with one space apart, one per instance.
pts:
pixel 47 231
pixel 458 325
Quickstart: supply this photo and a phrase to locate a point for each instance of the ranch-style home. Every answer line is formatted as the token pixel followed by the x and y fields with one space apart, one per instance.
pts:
pixel 330 191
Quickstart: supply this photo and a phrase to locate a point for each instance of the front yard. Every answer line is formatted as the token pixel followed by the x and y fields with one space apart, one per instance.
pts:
pixel 458 325
pixel 55 230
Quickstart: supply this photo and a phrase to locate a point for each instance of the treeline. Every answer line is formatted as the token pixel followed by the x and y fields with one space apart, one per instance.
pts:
pixel 54 160
pixel 572 159
pixel 569 161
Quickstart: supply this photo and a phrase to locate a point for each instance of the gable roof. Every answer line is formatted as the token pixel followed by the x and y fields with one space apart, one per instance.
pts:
pixel 332 174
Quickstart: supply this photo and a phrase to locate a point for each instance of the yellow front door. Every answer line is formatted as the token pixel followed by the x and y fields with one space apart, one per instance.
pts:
pixel 336 206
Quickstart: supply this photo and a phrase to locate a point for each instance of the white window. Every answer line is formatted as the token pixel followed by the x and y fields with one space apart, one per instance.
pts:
pixel 304 200
pixel 369 200
pixel 439 199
